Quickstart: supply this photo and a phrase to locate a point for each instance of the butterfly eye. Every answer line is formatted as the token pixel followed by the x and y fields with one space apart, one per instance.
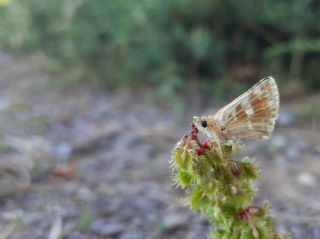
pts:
pixel 204 123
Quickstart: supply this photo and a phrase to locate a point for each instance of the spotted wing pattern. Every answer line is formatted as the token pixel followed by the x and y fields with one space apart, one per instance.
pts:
pixel 252 114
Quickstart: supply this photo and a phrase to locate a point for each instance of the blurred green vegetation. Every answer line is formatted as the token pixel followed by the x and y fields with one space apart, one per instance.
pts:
pixel 171 44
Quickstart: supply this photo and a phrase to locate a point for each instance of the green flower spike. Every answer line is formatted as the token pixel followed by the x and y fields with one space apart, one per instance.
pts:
pixel 221 188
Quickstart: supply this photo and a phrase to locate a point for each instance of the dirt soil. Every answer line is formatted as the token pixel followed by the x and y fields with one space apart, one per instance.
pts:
pixel 79 162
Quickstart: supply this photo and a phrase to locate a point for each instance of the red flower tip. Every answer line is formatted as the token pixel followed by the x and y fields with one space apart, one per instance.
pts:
pixel 194 132
pixel 235 169
pixel 193 136
pixel 205 144
pixel 254 209
pixel 220 169
pixel 194 128
pixel 248 211
pixel 198 151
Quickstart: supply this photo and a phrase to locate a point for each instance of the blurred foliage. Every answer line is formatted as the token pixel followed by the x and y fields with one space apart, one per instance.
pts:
pixel 4 2
pixel 176 42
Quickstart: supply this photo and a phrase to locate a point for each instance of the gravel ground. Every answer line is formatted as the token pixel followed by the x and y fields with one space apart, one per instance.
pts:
pixel 79 162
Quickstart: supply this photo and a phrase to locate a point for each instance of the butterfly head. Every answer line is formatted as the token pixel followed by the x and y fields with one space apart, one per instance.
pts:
pixel 208 126
pixel 201 123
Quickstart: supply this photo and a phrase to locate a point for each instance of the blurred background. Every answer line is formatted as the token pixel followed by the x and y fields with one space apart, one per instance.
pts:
pixel 95 94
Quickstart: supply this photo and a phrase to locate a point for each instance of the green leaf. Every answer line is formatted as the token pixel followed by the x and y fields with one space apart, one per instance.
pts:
pixel 249 169
pixel 184 178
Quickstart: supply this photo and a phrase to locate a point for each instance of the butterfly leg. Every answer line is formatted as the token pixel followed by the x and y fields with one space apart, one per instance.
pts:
pixel 218 142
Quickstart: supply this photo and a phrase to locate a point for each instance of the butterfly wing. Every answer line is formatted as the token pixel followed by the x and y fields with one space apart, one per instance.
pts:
pixel 252 114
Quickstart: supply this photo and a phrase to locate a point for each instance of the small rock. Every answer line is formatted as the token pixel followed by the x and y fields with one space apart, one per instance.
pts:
pixel 108 206
pixel 76 235
pixel 5 59
pixel 316 232
pixel 13 177
pixel 198 230
pixel 36 218
pixel 34 153
pixel 128 140
pixel 306 179
pixel 104 227
pixel 281 229
pixel 132 234
pixel 126 213
pixel 93 135
pixel 33 145
pixel 7 230
pixel 279 141
pixel 66 170
pixel 298 231
pixel 147 204
pixel 85 194
pixel 3 104
pixel 12 215
pixel 281 163
pixel 293 153
pixel 285 118
pixel 173 221
pixel 63 150
pixel 92 165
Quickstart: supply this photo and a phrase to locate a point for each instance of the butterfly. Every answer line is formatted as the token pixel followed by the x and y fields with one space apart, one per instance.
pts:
pixel 251 115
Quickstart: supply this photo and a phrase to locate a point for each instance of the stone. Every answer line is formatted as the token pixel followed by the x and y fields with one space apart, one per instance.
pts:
pixel 293 153
pixel 279 141
pixel 132 234
pixel 298 231
pixel 316 232
pixel 63 150
pixel 176 220
pixel 104 227
pixel 13 177
pixel 285 118
pixel 306 179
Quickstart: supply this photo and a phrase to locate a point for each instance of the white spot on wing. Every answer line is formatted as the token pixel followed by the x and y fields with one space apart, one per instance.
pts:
pixel 233 112
pixel 245 100
pixel 249 111
pixel 257 90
